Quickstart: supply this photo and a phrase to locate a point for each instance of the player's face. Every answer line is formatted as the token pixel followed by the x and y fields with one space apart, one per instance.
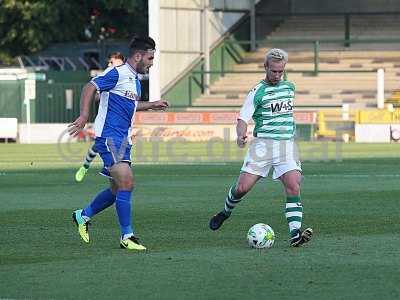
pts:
pixel 274 71
pixel 145 62
pixel 115 62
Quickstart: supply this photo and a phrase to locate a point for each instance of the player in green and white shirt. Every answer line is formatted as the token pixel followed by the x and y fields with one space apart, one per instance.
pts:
pixel 270 104
pixel 271 107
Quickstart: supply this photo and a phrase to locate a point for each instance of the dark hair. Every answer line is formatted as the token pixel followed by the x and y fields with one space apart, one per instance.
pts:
pixel 139 43
pixel 116 55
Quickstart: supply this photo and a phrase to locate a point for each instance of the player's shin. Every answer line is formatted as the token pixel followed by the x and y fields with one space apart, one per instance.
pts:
pixel 103 200
pixel 294 214
pixel 123 206
pixel 231 201
pixel 90 156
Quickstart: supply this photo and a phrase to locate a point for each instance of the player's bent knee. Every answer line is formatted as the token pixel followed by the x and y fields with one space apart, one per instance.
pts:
pixel 241 190
pixel 126 184
pixel 293 188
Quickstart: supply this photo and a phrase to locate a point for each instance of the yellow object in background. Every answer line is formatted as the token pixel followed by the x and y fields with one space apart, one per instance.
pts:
pixel 378 116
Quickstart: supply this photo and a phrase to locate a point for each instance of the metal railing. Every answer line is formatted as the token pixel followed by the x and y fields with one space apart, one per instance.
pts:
pixel 317 45
pixel 192 79
pixel 199 81
pixel 346 19
pixel 228 47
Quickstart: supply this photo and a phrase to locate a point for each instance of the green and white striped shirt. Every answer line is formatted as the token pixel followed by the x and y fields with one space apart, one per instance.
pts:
pixel 271 107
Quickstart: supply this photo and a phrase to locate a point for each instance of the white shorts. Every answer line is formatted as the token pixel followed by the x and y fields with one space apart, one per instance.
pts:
pixel 263 154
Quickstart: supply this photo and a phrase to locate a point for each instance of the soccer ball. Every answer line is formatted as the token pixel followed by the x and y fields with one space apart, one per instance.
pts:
pixel 261 236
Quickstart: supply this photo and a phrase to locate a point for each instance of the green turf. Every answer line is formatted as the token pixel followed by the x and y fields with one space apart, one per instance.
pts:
pixel 352 204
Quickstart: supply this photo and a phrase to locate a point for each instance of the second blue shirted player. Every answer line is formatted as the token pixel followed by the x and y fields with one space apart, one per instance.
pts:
pixel 119 89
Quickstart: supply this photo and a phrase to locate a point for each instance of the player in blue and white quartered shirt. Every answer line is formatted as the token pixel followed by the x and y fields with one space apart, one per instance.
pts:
pixel 119 89
pixel 115 59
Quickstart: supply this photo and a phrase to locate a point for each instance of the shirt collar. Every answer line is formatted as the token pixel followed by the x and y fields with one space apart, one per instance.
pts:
pixel 132 69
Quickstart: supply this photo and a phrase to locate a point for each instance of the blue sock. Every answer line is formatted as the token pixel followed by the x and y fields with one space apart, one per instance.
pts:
pixel 123 206
pixel 103 200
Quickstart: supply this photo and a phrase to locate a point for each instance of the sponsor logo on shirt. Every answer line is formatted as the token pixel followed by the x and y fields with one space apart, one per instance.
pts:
pixel 281 107
pixel 131 95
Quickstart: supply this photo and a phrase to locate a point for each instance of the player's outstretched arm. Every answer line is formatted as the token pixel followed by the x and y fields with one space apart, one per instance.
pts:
pixel 156 105
pixel 86 98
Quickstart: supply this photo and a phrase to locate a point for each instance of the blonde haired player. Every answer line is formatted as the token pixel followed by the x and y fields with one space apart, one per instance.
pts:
pixel 270 104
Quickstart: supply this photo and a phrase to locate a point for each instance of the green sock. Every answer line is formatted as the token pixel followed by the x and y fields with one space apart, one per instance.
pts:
pixel 230 201
pixel 294 213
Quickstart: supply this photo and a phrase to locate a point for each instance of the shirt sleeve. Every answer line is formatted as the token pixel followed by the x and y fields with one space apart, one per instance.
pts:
pixel 106 80
pixel 248 108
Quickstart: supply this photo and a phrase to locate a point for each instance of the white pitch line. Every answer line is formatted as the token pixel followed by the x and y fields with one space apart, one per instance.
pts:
pixel 352 175
pixel 307 175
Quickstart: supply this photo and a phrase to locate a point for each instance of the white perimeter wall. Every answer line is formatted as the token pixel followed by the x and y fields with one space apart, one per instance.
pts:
pixel 181 33
pixel 377 133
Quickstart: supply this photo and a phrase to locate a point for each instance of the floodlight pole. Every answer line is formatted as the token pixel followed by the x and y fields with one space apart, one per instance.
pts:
pixel 154 33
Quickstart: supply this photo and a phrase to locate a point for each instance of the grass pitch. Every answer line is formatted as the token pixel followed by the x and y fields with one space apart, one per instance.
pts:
pixel 350 200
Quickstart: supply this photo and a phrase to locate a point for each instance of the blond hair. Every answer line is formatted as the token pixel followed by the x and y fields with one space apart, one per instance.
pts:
pixel 276 54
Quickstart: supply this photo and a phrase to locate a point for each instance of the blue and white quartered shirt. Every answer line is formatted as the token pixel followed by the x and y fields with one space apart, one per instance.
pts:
pixel 120 90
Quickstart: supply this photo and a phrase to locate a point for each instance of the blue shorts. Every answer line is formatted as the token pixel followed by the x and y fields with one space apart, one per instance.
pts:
pixel 112 151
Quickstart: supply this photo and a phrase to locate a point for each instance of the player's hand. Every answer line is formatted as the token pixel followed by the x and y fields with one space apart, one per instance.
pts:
pixel 160 105
pixel 241 141
pixel 75 127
